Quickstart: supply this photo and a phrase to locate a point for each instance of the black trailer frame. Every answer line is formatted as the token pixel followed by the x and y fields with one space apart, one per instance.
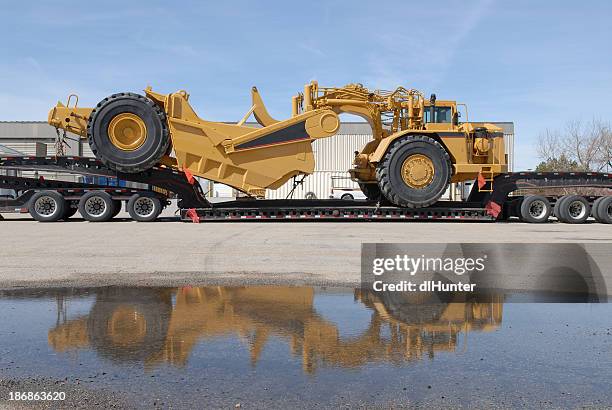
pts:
pixel 488 200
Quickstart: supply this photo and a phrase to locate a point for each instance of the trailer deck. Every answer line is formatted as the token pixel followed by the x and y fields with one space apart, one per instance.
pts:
pixel 488 201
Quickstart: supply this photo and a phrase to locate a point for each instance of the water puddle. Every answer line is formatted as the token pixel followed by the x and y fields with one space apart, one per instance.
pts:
pixel 301 346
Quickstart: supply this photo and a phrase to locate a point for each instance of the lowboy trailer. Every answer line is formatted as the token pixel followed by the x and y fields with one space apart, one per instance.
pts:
pixel 490 200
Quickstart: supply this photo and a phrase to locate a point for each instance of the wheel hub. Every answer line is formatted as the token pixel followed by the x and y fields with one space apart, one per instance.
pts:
pixel 45 206
pixel 537 209
pixel 144 206
pixel 417 171
pixel 127 131
pixel 95 206
pixel 577 209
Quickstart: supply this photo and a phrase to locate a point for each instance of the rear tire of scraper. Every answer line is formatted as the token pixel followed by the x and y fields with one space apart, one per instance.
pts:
pixel 128 132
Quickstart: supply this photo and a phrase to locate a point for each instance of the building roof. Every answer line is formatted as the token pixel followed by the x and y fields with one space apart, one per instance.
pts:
pixel 26 129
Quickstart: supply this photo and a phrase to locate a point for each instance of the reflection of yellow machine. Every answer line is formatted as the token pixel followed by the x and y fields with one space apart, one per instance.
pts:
pixel 147 328
pixel 418 147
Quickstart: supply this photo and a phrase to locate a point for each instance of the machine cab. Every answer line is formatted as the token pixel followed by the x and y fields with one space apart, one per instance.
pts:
pixel 440 115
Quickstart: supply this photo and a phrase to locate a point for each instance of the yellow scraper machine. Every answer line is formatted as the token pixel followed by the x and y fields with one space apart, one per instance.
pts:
pixel 418 147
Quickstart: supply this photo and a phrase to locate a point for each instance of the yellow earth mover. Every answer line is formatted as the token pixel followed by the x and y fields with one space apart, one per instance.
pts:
pixel 418 146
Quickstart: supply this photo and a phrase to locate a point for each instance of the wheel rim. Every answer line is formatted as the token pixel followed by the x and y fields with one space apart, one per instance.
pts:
pixel 417 171
pixel 537 209
pixel 609 210
pixel 576 210
pixel 45 206
pixel 127 131
pixel 95 206
pixel 144 207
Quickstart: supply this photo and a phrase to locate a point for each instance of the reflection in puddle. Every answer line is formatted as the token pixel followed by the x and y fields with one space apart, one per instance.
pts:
pixel 306 347
pixel 156 326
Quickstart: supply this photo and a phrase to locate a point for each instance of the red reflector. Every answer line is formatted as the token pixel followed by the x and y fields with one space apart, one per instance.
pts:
pixel 191 213
pixel 493 209
pixel 481 181
pixel 189 176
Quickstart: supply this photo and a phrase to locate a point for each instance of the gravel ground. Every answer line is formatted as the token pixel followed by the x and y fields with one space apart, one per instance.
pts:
pixel 171 253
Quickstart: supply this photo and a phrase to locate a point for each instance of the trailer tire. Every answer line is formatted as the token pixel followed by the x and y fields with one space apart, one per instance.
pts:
pixel 595 208
pixel 371 191
pixel 557 208
pixel 144 207
pixel 574 209
pixel 414 172
pixel 96 206
pixel 128 132
pixel 47 206
pixel 535 209
pixel 604 210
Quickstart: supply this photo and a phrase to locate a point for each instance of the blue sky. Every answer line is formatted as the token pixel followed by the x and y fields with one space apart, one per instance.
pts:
pixel 537 63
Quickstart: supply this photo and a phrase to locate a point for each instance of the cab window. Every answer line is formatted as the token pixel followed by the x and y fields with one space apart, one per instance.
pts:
pixel 443 115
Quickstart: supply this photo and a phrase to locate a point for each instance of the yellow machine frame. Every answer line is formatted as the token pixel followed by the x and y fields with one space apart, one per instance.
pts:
pixel 252 159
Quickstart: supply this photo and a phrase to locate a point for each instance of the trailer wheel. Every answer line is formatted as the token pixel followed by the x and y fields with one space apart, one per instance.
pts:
pixel 144 207
pixel 415 172
pixel 573 209
pixel 128 132
pixel 594 208
pixel 558 206
pixel 371 191
pixel 47 206
pixel 96 206
pixel 535 209
pixel 604 210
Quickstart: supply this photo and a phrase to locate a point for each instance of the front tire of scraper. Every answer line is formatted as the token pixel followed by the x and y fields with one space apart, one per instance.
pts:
pixel 131 156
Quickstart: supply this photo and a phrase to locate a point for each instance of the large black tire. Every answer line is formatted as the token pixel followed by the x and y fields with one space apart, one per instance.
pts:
pixel 96 206
pixel 47 206
pixel 558 206
pixel 135 159
pixel 574 209
pixel 389 172
pixel 144 207
pixel 604 208
pixel 595 208
pixel 535 209
pixel 371 191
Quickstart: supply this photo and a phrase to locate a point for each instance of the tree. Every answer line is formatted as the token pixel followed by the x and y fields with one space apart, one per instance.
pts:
pixel 578 147
pixel 558 165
